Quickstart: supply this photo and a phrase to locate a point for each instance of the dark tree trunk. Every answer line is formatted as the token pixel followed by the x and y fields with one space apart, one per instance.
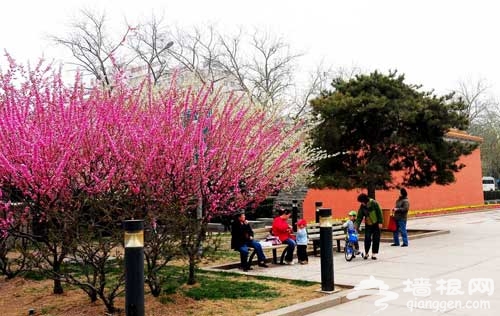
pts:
pixel 58 289
pixel 371 191
pixel 110 306
pixel 93 295
pixel 192 267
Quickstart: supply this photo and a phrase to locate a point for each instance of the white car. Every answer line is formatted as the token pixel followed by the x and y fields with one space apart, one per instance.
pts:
pixel 488 184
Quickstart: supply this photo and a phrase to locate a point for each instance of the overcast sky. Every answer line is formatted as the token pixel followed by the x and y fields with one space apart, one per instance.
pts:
pixel 436 43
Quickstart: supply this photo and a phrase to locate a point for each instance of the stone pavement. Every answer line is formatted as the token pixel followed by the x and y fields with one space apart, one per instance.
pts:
pixel 451 273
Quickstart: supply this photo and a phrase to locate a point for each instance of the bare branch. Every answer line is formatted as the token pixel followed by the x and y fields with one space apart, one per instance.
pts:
pixel 91 47
pixel 475 95
pixel 271 69
pixel 151 42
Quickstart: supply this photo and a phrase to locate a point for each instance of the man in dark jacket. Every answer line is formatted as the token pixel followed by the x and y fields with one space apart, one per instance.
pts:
pixel 400 213
pixel 242 238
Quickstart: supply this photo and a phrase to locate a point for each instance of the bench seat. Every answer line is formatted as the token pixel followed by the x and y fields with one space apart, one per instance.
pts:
pixel 260 234
pixel 338 234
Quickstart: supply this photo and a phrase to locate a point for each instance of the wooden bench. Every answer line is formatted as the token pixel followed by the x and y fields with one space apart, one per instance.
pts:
pixel 338 234
pixel 260 234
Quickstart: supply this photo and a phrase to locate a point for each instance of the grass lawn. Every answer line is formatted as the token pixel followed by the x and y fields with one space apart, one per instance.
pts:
pixel 216 293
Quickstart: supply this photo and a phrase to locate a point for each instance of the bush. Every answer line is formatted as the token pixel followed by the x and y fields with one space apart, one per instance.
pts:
pixel 491 195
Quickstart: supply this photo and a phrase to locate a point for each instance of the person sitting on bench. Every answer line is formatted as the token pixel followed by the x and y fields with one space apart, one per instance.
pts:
pixel 242 238
pixel 285 233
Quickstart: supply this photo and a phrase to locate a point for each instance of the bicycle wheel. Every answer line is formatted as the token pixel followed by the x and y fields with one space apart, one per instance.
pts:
pixel 349 252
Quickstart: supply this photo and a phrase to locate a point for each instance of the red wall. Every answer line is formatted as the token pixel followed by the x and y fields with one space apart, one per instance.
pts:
pixel 467 190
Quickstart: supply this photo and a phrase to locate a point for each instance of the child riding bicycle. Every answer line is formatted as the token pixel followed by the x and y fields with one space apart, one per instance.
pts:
pixel 352 234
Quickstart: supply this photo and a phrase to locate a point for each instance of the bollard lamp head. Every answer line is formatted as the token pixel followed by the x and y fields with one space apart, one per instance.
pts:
pixel 134 233
pixel 325 217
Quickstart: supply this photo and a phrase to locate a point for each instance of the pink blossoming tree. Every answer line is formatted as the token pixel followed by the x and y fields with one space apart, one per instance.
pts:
pixel 136 153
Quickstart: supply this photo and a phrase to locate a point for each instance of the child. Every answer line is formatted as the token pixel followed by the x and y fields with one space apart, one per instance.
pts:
pixel 301 239
pixel 351 229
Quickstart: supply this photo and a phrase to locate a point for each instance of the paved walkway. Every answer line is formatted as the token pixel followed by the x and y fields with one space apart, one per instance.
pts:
pixel 466 260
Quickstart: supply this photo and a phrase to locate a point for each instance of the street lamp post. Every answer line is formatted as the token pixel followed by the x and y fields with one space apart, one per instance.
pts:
pixel 317 205
pixel 294 215
pixel 326 246
pixel 134 267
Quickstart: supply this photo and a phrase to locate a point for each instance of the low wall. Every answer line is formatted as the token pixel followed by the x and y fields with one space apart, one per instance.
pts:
pixel 467 190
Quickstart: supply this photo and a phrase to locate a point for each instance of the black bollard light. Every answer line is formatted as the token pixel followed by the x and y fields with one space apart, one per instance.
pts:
pixel 295 210
pixel 134 267
pixel 317 205
pixel 326 246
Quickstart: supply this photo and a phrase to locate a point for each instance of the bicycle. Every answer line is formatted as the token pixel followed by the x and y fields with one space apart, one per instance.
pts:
pixel 349 250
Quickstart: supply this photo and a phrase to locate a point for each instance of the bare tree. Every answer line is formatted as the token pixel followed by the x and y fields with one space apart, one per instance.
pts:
pixel 483 113
pixel 232 61
pixel 92 46
pixel 197 52
pixel 259 64
pixel 318 80
pixel 151 42
pixel 271 70
pixel 489 129
pixel 476 97
pixel 348 73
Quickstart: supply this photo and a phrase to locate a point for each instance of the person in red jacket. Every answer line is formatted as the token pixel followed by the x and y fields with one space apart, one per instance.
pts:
pixel 283 231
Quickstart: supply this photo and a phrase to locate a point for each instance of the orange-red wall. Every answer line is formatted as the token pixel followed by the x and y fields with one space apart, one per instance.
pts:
pixel 467 190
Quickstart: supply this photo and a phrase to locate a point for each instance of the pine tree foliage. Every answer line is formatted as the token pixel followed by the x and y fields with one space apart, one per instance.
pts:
pixel 379 132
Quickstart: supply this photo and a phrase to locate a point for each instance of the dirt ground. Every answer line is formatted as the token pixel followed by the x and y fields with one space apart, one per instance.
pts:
pixel 17 296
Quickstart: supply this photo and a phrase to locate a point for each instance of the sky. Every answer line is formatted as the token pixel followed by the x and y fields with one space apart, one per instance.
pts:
pixel 435 43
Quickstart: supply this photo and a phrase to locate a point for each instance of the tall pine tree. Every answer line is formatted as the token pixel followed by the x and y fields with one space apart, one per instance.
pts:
pixel 374 125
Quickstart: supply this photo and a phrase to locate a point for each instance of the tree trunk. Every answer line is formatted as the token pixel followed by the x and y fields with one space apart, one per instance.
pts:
pixel 153 283
pixel 192 266
pixel 110 305
pixel 371 191
pixel 155 289
pixel 58 289
pixel 93 295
